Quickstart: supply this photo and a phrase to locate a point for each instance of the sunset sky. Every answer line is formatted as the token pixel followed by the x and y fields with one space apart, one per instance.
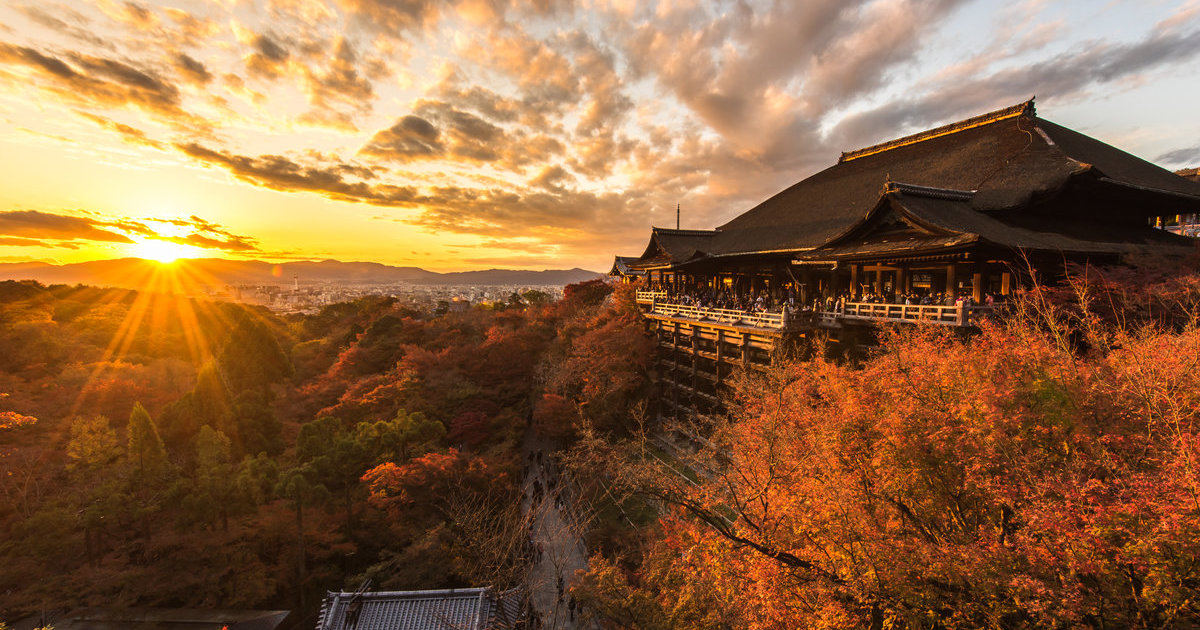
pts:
pixel 497 133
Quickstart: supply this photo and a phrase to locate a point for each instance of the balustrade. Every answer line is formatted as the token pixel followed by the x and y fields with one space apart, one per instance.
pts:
pixel 959 315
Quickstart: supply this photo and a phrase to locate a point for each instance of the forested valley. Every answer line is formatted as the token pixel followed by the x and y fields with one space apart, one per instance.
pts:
pixel 1040 472
pixel 167 452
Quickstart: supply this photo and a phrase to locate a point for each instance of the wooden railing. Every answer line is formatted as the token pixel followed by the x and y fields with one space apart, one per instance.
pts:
pixel 721 315
pixel 649 297
pixel 961 315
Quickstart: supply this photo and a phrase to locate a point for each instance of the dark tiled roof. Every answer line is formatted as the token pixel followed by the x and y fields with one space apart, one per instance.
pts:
pixel 940 219
pixel 1007 160
pixel 158 619
pixel 675 246
pixel 621 266
pixel 453 609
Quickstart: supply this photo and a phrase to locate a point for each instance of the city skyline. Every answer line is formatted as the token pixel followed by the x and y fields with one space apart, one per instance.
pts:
pixel 535 135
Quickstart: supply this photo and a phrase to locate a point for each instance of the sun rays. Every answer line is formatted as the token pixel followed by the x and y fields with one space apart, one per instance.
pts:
pixel 165 304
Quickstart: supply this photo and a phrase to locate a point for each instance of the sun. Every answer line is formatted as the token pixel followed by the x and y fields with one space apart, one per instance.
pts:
pixel 164 251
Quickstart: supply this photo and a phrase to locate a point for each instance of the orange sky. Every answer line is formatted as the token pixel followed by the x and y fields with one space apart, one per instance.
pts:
pixel 545 134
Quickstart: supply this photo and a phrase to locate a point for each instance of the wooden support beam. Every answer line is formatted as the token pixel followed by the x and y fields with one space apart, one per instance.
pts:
pixel 720 351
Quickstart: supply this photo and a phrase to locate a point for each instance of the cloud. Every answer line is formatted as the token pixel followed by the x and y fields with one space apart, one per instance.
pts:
pixel 393 16
pixel 336 88
pixel 1060 77
pixel 268 59
pixel 190 30
pixel 192 70
pixel 1189 156
pixel 552 178
pixel 43 225
pixel 77 28
pixel 240 244
pixel 411 138
pixel 102 82
pixel 283 174
pixel 129 134
pixel 6 241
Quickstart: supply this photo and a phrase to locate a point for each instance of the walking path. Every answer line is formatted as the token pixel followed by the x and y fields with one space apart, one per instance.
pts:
pixel 556 534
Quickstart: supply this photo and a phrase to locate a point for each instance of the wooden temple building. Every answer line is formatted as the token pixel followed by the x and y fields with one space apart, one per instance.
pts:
pixel 937 226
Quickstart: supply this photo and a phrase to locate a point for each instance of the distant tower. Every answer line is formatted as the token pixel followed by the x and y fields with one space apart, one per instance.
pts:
pixel 676 216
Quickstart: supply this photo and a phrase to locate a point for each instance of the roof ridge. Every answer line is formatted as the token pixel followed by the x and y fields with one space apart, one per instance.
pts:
pixel 949 194
pixel 676 231
pixel 1025 108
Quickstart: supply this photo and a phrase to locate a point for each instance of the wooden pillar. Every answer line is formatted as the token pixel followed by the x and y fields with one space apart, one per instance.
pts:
pixel 951 280
pixel 977 286
pixel 878 280
pixel 854 281
pixel 675 369
pixel 904 282
pixel 1005 283
pixel 720 353
pixel 695 357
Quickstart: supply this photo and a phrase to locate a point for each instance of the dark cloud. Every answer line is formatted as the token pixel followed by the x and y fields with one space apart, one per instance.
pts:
pixel 44 225
pixel 394 17
pixel 552 178
pixel 239 244
pixel 76 27
pixel 140 80
pixel 101 82
pixel 35 59
pixel 411 138
pixel 6 241
pixel 439 130
pixel 192 70
pixel 280 173
pixel 1189 156
pixel 269 58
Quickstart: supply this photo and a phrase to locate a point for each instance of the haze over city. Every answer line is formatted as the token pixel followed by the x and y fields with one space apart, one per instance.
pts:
pixel 549 134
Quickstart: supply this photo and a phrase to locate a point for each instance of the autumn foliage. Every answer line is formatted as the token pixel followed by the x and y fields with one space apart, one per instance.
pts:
pixel 193 453
pixel 1041 473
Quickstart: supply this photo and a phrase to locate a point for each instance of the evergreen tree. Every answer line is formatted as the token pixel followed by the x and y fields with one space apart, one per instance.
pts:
pixel 252 358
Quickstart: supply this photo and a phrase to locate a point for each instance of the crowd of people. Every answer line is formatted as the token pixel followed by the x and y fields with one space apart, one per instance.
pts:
pixel 548 486
pixel 767 302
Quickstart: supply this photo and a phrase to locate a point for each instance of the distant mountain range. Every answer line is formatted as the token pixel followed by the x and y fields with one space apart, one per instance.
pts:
pixel 188 275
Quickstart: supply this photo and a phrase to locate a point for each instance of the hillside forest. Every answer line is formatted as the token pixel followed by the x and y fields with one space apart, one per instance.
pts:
pixel 1038 472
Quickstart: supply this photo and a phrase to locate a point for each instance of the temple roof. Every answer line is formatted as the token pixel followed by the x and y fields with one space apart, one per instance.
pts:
pixel 452 609
pixel 669 246
pixel 1010 161
pixel 156 619
pixel 620 266
pixel 910 219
